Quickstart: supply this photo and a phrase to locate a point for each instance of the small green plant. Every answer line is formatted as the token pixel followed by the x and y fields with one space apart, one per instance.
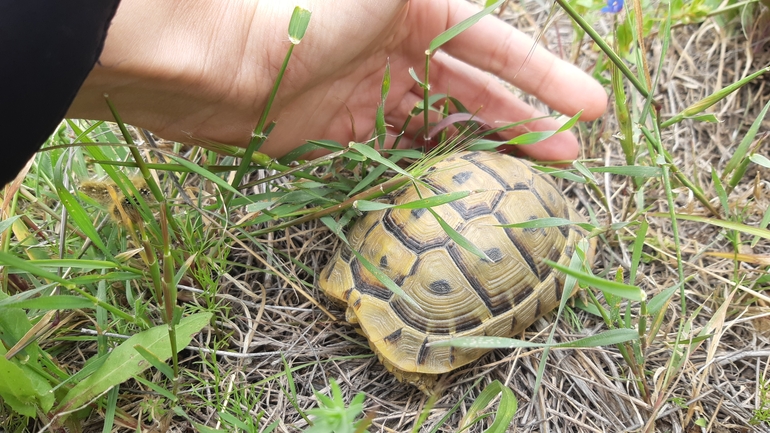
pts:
pixel 762 413
pixel 332 416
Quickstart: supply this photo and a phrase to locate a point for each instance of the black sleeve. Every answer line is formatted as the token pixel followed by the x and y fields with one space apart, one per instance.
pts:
pixel 47 48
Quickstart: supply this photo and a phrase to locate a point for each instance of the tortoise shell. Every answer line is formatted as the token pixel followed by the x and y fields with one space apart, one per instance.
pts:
pixel 457 293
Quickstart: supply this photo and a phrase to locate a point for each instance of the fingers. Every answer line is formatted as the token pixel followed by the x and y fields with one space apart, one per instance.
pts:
pixel 496 105
pixel 493 46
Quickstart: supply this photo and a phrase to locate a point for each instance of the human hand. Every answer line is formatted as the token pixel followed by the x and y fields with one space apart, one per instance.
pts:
pixel 203 70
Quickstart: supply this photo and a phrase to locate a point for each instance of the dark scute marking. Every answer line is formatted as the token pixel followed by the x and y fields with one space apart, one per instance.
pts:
pixel 471 212
pixel 435 185
pixel 357 304
pixel 378 292
pixel 417 320
pixel 440 287
pixel 415 245
pixel 468 156
pixel 568 251
pixel 347 294
pixel 554 255
pixel 414 319
pixel 563 229
pixel 395 194
pixel 384 261
pixel 460 206
pixel 462 177
pixel 494 174
pixel 497 306
pixel 521 186
pixel 522 249
pixel 494 254
pixel 579 231
pixel 479 209
pixel 537 309
pixel 522 295
pixel 369 230
pixel 557 285
pixel 346 254
pixel 451 355
pixel 545 205
pixel 531 229
pixel 514 322
pixel 423 354
pixel 417 213
pixel 328 270
pixel 551 197
pixel 394 336
pixel 467 324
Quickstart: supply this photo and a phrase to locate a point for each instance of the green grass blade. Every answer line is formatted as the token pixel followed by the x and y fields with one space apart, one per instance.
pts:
pixel 374 175
pixel 460 27
pixel 81 219
pixel 8 222
pixel 547 222
pixel 29 266
pixel 377 157
pixel 156 362
pixel 458 238
pixel 613 56
pixel 656 303
pixel 109 413
pixel 721 193
pixel 622 114
pixel 755 158
pixel 625 291
pixel 436 200
pixel 536 137
pixel 384 279
pixel 636 254
pixel 630 171
pixel 124 362
pixel 606 338
pixel 561 174
pixel 743 147
pixel 712 99
pixel 59 302
pixel 156 388
pixel 82 264
pixel 504 414
pixel 730 225
pixel 195 168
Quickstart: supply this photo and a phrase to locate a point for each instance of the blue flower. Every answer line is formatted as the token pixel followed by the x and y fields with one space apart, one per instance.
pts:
pixel 613 6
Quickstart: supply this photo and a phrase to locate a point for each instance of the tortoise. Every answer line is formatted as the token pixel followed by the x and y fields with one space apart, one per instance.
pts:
pixel 456 292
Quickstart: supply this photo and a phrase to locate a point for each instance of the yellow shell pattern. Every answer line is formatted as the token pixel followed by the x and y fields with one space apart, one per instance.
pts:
pixel 457 293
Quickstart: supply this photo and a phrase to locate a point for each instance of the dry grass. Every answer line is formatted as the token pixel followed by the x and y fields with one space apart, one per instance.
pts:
pixel 267 326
